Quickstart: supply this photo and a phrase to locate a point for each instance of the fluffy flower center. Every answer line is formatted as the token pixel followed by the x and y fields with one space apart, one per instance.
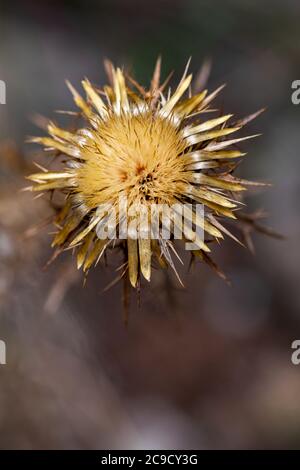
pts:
pixel 137 156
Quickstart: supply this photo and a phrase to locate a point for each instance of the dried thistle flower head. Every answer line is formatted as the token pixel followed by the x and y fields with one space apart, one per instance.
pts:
pixel 152 149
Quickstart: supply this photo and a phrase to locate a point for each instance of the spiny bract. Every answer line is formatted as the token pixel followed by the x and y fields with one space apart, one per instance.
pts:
pixel 151 148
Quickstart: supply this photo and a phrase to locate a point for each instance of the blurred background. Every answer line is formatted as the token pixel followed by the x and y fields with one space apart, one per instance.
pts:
pixel 205 367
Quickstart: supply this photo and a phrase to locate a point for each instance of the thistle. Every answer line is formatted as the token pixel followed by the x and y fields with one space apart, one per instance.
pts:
pixel 150 147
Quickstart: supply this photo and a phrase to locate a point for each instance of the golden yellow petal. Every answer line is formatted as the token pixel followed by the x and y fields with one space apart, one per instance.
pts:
pixel 189 233
pixel 58 184
pixel 80 102
pixel 145 257
pixel 84 232
pixel 209 196
pixel 190 104
pixel 120 91
pixel 83 249
pixel 197 138
pixel 109 92
pixel 95 254
pixel 215 182
pixel 219 210
pixel 61 133
pixel 203 155
pixel 67 149
pixel 206 126
pixel 49 175
pixel 182 87
pixel 200 221
pixel 96 100
pixel 69 226
pixel 204 165
pixel 226 143
pixel 133 261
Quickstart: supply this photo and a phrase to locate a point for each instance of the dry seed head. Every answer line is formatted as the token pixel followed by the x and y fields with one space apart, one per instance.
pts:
pixel 151 148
